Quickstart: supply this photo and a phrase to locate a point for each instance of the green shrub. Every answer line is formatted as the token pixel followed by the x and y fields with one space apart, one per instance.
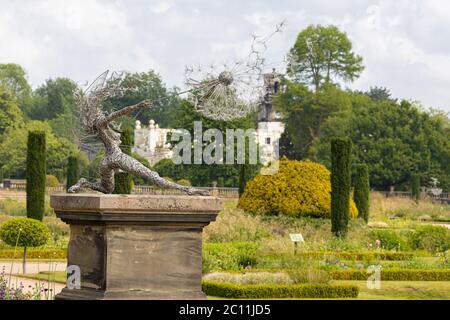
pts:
pixel 35 254
pixel 73 171
pixel 13 207
pixel 229 256
pixel 51 181
pixel 430 238
pixel 393 275
pixel 233 291
pixel 184 182
pixel 415 187
pixel 309 275
pixel 362 191
pixel 36 175
pixel 123 182
pixel 340 185
pixel 369 255
pixel 390 239
pixel 299 188
pixel 25 232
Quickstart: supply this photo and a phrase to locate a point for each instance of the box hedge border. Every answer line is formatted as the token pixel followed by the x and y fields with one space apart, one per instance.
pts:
pixel 394 275
pixel 229 290
pixel 34 254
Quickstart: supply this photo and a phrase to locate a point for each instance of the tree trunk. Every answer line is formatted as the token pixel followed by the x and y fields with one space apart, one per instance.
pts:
pixel 24 260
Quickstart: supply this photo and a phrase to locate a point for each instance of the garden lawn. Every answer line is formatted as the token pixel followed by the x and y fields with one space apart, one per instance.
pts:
pixel 58 276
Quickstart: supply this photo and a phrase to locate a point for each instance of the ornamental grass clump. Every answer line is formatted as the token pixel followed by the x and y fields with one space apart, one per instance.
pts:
pixel 299 188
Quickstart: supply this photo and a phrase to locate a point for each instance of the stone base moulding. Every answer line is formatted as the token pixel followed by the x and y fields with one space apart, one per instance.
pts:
pixel 135 246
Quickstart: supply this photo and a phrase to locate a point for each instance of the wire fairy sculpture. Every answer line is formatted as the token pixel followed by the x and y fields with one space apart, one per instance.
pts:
pixel 98 123
pixel 229 94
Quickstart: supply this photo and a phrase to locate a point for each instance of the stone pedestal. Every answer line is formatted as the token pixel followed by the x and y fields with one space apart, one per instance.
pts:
pixel 135 246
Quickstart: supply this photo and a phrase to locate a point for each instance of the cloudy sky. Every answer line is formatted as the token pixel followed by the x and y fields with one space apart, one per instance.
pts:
pixel 405 44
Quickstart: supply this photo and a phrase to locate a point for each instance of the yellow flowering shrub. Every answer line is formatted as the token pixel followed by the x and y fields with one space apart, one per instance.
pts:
pixel 299 188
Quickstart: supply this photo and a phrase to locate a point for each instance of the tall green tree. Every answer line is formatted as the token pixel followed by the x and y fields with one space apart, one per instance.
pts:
pixel 10 114
pixel 306 111
pixel 14 78
pixel 124 180
pixel 340 185
pixel 415 187
pixel 73 171
pixel 13 150
pixel 323 54
pixel 36 172
pixel 141 86
pixel 392 138
pixel 52 99
pixel 362 191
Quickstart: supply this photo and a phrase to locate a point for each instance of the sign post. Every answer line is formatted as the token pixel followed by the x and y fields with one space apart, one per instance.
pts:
pixel 296 238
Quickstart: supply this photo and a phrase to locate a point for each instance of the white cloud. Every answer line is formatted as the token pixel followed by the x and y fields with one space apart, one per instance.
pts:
pixel 404 43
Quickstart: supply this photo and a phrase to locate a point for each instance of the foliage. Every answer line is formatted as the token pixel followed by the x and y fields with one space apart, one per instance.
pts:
pixel 430 238
pixel 362 191
pixel 51 181
pixel 394 275
pixel 12 207
pixel 235 225
pixel 233 291
pixel 406 208
pixel 204 174
pixel 321 53
pixel 24 232
pixel 73 171
pixel 13 78
pixel 392 138
pixel 309 275
pixel 52 99
pixel 415 187
pixel 229 256
pixel 13 150
pixel 36 170
pixel 10 114
pixel 36 254
pixel 124 180
pixel 299 188
pixel 305 112
pixel 251 277
pixel 184 182
pixel 390 239
pixel 142 86
pixel 340 185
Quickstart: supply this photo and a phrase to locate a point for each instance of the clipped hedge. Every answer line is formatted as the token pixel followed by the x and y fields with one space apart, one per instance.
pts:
pixel 299 188
pixel 229 290
pixel 394 275
pixel 340 185
pixel 390 256
pixel 34 254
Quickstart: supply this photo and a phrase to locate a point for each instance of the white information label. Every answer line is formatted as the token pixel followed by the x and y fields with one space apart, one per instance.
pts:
pixel 296 237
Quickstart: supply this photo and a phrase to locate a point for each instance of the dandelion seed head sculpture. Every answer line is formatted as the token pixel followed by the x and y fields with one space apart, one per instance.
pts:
pixel 224 92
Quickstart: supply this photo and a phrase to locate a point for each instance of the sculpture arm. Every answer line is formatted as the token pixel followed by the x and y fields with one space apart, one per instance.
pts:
pixel 127 110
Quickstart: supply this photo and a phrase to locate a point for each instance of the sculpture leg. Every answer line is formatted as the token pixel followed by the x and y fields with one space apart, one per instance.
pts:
pixel 83 183
pixel 106 184
pixel 131 165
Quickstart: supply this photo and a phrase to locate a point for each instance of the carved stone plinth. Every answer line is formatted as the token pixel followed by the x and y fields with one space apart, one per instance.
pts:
pixel 136 246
